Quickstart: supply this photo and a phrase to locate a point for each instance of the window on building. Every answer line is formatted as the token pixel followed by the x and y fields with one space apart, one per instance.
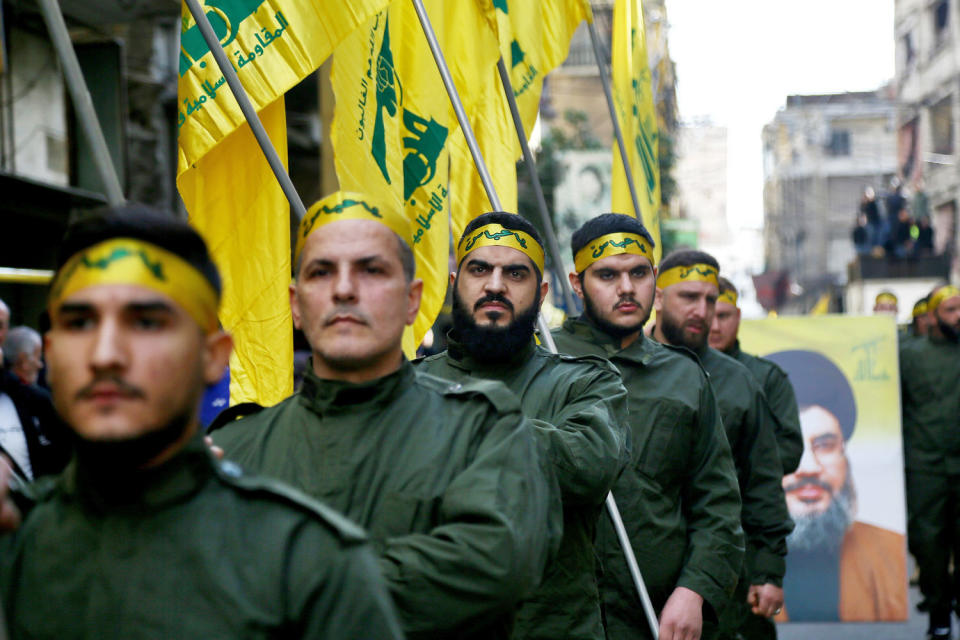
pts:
pixel 839 143
pixel 941 126
pixel 941 21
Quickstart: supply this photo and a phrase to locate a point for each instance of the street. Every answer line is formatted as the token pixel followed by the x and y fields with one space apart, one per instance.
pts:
pixel 913 629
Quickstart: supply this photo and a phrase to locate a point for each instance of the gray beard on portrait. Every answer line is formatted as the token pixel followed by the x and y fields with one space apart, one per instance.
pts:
pixel 825 531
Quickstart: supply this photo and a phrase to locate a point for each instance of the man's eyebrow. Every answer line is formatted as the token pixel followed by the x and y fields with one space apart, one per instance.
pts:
pixel 826 437
pixel 507 267
pixel 75 307
pixel 149 306
pixel 477 262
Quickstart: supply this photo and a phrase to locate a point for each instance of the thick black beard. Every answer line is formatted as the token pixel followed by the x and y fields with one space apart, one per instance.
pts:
pixel 613 330
pixel 825 531
pixel 130 454
pixel 492 345
pixel 674 334
pixel 950 332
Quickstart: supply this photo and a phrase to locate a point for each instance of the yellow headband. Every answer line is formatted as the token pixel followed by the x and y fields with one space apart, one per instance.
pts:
pixel 131 261
pixel 344 205
pixel 693 273
pixel 495 235
pixel 885 297
pixel 920 308
pixel 943 293
pixel 729 296
pixel 610 245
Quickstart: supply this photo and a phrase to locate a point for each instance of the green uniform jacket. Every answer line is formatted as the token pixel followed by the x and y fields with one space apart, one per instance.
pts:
pixel 578 406
pixel 447 478
pixel 929 374
pixel 750 432
pixel 191 549
pixel 678 496
pixel 783 404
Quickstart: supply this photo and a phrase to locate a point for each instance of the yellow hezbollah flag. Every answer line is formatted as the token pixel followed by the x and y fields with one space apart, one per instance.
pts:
pixel 393 123
pixel 633 99
pixel 822 307
pixel 229 191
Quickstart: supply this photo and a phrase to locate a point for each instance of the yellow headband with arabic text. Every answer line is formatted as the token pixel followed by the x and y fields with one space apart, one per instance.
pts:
pixel 132 261
pixel 885 296
pixel 943 293
pixel 692 273
pixel 729 296
pixel 612 244
pixel 344 205
pixel 495 235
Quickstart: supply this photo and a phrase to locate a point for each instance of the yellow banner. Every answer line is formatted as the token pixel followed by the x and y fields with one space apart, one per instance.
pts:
pixel 847 496
pixel 633 99
pixel 230 193
pixel 393 123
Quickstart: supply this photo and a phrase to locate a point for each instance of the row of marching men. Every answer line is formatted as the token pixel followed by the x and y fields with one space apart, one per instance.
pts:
pixel 457 496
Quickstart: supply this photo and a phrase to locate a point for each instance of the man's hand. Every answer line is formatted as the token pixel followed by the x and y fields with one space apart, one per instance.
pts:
pixel 765 599
pixel 9 514
pixel 682 616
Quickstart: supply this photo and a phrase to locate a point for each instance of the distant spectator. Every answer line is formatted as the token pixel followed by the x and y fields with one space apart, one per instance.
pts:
pixel 870 209
pixel 861 236
pixel 23 351
pixel 886 303
pixel 894 201
pixel 4 323
pixel 924 244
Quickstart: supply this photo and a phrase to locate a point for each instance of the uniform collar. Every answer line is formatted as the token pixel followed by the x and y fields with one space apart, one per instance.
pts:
pixel 322 396
pixel 734 351
pixel 640 351
pixel 458 356
pixel 173 481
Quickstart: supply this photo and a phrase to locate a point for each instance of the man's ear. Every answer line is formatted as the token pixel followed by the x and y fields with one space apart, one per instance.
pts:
pixel 295 305
pixel 544 288
pixel 575 283
pixel 216 355
pixel 453 277
pixel 658 299
pixel 413 300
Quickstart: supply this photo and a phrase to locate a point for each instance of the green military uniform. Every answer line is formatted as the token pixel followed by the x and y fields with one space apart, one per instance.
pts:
pixel 446 477
pixel 783 404
pixel 678 496
pixel 750 430
pixel 929 371
pixel 190 549
pixel 579 408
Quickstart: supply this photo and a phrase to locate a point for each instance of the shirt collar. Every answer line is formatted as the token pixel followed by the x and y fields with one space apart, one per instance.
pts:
pixel 640 351
pixel 321 395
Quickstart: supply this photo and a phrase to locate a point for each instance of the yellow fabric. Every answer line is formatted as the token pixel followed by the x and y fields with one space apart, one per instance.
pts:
pixel 941 294
pixel 729 296
pixel 633 99
pixel 132 261
pixel 393 124
pixel 885 297
pixel 495 235
pixel 822 307
pixel 344 205
pixel 693 273
pixel 920 308
pixel 229 191
pixel 612 244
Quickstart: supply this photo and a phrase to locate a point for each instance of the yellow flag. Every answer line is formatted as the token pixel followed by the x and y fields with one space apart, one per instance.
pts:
pixel 231 195
pixel 633 99
pixel 822 307
pixel 393 124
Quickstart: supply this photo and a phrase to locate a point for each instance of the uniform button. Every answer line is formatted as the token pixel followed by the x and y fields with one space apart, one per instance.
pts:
pixel 231 469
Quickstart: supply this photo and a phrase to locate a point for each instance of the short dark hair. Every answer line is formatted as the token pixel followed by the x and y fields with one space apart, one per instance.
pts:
pixel 688 258
pixel 507 220
pixel 817 381
pixel 141 222
pixel 607 223
pixel 726 285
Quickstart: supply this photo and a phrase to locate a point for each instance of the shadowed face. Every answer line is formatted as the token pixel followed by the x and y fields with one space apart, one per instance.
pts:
pixel 685 313
pixel 726 323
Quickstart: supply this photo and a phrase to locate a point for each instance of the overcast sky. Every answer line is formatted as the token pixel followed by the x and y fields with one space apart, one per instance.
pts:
pixel 737 61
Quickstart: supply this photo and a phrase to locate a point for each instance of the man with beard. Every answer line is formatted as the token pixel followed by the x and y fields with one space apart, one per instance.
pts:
pixel 837 569
pixel 145 534
pixel 578 405
pixel 447 477
pixel 776 387
pixel 685 301
pixel 678 495
pixel 929 370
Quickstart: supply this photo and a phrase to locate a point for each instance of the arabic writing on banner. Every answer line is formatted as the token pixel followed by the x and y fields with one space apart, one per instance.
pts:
pixel 847 554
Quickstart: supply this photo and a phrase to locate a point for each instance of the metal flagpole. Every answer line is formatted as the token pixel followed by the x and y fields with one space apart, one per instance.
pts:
pixel 617 131
pixel 528 160
pixel 545 334
pixel 246 107
pixel 82 102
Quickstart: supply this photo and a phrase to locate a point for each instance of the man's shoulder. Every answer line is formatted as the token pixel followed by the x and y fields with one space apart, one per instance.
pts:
pixel 575 366
pixel 724 367
pixel 466 393
pixel 251 422
pixel 871 538
pixel 273 498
